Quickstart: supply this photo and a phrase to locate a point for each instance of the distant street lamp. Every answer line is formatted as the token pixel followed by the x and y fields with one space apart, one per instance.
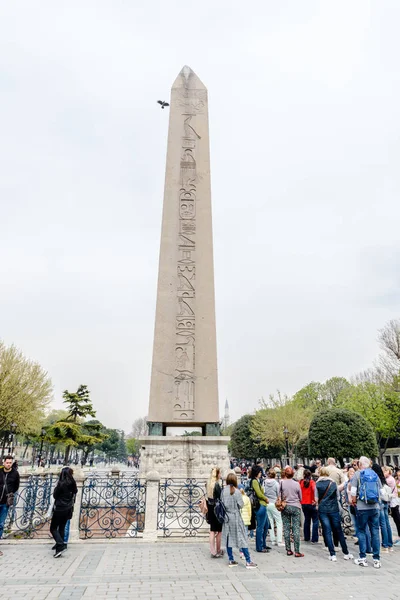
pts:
pixel 286 433
pixel 13 428
pixel 42 434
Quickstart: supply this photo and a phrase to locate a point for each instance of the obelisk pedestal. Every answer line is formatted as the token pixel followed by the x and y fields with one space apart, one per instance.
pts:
pixel 184 384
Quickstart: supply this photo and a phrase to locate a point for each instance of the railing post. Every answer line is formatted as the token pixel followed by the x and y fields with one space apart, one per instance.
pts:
pixel 151 517
pixel 79 477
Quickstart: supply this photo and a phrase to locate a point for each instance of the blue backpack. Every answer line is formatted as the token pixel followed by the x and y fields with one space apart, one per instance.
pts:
pixel 369 487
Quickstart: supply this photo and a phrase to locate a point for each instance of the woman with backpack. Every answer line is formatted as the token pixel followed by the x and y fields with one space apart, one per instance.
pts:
pixel 64 498
pixel 234 532
pixel 259 504
pixel 329 514
pixel 214 493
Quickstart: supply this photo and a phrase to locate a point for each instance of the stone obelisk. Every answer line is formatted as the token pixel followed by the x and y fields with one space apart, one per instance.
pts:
pixel 184 385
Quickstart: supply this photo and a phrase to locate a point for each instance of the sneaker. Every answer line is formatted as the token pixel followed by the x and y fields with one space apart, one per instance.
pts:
pixel 251 565
pixel 348 556
pixel 58 554
pixel 233 563
pixel 385 550
pixel 333 558
pixel 54 547
pixel 361 562
pixel 377 564
pixel 281 544
pixel 397 543
pixel 391 549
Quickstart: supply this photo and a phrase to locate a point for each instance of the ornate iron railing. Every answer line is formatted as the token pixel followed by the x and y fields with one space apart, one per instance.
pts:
pixel 28 517
pixel 112 507
pixel 347 524
pixel 178 507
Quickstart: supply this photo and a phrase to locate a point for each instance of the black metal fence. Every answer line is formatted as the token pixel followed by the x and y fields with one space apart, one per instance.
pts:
pixel 30 515
pixel 178 507
pixel 112 507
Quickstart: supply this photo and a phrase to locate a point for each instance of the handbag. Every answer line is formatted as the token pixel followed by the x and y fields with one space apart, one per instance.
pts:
pixel 10 499
pixel 280 503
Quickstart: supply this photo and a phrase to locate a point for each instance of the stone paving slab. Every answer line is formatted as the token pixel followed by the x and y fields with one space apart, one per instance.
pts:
pixel 185 571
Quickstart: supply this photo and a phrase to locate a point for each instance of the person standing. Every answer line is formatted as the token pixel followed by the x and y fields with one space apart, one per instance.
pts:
pixel 271 491
pixel 335 474
pixel 329 514
pixel 308 505
pixel 291 515
pixel 64 498
pixel 9 485
pixel 214 490
pixel 394 500
pixel 233 529
pixel 384 524
pixel 261 513
pixel 365 494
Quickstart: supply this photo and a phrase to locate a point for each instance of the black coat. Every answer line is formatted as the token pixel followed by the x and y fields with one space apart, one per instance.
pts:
pixel 64 495
pixel 9 482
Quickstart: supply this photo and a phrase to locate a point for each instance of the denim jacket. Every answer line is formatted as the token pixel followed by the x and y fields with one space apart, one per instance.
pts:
pixel 329 502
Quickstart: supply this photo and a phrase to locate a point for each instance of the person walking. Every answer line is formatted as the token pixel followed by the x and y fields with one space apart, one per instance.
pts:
pixel 233 529
pixel 365 494
pixel 309 507
pixel 329 514
pixel 261 512
pixel 271 491
pixel 9 485
pixel 64 498
pixel 214 490
pixel 291 515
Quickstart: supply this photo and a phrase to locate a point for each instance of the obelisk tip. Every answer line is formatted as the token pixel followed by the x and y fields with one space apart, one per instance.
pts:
pixel 188 79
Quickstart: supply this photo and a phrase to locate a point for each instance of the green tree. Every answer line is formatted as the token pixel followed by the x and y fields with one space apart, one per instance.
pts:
pixel 243 444
pixel 91 433
pixel 302 448
pixel 71 431
pixel 341 433
pixel 122 455
pixel 269 423
pixel 320 396
pixel 379 404
pixel 109 446
pixel 132 446
pixel 25 391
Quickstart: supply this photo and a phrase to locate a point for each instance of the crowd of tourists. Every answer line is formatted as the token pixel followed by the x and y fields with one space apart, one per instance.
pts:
pixel 283 505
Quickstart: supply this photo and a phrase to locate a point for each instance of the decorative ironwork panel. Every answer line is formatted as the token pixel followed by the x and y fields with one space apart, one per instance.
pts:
pixel 178 507
pixel 112 507
pixel 347 524
pixel 29 517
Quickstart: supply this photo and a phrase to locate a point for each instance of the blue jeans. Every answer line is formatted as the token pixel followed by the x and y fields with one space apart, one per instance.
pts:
pixel 310 512
pixel 66 531
pixel 384 524
pixel 262 528
pixel 244 550
pixel 332 522
pixel 3 517
pixel 368 519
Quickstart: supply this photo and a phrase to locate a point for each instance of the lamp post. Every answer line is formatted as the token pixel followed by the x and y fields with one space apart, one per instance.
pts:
pixel 286 434
pixel 13 428
pixel 42 434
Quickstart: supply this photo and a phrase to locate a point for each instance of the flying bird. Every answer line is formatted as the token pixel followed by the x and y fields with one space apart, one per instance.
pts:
pixel 163 103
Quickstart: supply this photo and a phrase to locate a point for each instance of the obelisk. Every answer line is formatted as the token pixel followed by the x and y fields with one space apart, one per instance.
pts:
pixel 184 385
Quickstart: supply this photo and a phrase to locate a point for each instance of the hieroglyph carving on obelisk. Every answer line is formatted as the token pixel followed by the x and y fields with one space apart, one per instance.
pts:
pixel 184 374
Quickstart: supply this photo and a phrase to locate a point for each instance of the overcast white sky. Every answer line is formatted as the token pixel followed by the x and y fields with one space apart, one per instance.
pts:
pixel 305 148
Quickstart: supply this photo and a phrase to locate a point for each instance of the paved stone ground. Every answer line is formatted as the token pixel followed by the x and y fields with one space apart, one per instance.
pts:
pixel 184 571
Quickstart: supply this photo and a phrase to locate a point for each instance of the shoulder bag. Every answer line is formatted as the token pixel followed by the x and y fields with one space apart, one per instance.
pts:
pixel 280 503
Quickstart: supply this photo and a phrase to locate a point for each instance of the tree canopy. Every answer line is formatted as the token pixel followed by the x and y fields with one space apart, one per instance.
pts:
pixel 341 433
pixel 25 391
